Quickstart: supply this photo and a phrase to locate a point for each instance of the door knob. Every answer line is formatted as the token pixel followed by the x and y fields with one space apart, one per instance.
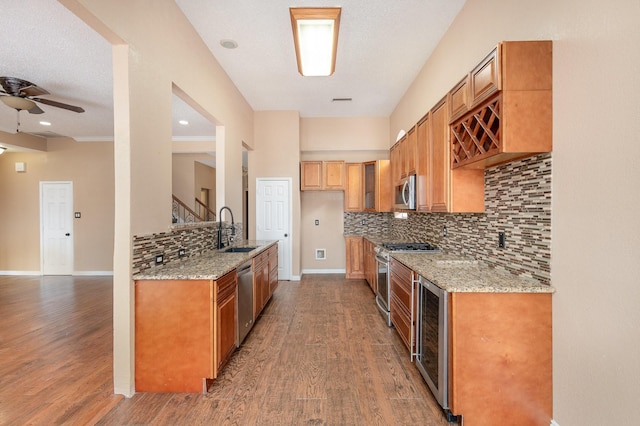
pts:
pixel 286 235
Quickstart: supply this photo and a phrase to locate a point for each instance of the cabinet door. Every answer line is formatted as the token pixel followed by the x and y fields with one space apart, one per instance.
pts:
pixel 402 161
pixel 353 194
pixel 402 305
pixel 423 171
pixel 410 152
pixel 396 167
pixel 440 164
pixel 334 175
pixel 226 318
pixel 355 259
pixel 227 333
pixel 311 175
pixel 459 99
pixel 273 269
pixel 485 78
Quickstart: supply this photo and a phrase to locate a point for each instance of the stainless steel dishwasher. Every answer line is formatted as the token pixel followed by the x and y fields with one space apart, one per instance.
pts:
pixel 245 300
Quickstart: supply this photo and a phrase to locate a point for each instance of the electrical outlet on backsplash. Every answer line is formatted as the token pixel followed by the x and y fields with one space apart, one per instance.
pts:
pixel 517 202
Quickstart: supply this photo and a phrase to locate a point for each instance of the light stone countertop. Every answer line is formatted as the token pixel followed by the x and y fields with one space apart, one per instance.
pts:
pixel 455 273
pixel 209 265
pixel 463 275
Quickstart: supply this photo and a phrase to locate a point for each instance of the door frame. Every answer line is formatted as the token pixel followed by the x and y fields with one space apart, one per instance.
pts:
pixel 72 263
pixel 289 240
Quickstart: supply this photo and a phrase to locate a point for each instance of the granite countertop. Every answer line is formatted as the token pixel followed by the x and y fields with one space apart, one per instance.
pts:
pixel 461 274
pixel 209 265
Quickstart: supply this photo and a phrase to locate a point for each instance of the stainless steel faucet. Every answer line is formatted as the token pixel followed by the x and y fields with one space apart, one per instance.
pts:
pixel 233 227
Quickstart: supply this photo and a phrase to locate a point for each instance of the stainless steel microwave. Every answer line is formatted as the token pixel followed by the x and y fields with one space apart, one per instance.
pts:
pixel 405 194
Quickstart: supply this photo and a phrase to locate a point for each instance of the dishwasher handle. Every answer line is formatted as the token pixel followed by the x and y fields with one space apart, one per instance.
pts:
pixel 244 268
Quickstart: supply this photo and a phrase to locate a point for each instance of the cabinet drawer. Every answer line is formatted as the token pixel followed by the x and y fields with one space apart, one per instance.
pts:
pixel 400 290
pixel 400 320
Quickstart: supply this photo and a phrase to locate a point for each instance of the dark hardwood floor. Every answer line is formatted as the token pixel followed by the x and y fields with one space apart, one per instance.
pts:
pixel 319 354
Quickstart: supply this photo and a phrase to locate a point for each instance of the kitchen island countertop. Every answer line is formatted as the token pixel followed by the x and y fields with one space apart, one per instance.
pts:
pixel 209 265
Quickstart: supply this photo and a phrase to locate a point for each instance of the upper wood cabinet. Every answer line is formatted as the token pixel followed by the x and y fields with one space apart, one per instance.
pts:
pixel 459 99
pixel 322 175
pixel 439 188
pixel 510 107
pixel 377 186
pixel 410 152
pixel 353 194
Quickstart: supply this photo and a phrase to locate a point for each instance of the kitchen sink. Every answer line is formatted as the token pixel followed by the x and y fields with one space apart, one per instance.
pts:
pixel 239 249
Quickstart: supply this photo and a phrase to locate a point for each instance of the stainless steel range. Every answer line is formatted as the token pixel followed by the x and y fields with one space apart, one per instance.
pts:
pixel 383 253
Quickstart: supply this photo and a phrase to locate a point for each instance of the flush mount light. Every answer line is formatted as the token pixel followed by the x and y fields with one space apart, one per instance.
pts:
pixel 2 150
pixel 16 102
pixel 183 122
pixel 315 36
pixel 45 123
pixel 228 44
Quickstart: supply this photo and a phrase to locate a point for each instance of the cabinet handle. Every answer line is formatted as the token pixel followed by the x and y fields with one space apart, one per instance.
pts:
pixel 286 235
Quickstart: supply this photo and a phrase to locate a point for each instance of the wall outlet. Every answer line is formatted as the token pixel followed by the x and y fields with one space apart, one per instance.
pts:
pixel 321 254
pixel 181 252
pixel 444 231
pixel 364 222
pixel 317 222
pixel 159 259
pixel 501 240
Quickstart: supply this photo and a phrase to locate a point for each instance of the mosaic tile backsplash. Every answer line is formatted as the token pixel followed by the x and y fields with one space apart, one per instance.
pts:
pixel 194 238
pixel 517 202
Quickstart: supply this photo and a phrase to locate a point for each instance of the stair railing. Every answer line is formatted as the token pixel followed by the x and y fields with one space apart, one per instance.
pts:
pixel 204 212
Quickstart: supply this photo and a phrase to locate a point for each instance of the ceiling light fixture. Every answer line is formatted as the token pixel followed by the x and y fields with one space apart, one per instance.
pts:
pixel 315 36
pixel 16 102
pixel 45 123
pixel 183 122
pixel 2 150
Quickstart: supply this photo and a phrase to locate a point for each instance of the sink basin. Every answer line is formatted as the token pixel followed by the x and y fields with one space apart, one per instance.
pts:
pixel 239 249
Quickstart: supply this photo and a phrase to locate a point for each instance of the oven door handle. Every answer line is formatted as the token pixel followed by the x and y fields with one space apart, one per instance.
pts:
pixel 381 259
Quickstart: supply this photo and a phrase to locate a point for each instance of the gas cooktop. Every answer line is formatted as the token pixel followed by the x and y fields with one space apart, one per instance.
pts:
pixel 410 247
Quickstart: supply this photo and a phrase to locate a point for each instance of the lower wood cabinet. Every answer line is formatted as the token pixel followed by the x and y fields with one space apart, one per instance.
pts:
pixel 355 258
pixel 185 331
pixel 500 356
pixel 272 254
pixel 260 283
pixel 402 304
pixel 370 265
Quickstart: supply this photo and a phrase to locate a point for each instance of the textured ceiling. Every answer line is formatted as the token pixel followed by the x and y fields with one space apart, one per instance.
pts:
pixel 382 46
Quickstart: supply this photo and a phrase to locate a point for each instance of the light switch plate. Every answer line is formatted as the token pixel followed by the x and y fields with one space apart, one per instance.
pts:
pixel 21 167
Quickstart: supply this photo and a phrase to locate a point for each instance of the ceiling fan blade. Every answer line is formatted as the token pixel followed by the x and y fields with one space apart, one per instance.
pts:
pixel 33 91
pixel 58 104
pixel 14 86
pixel 35 110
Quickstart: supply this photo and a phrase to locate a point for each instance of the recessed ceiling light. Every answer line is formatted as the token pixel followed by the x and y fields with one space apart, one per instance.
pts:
pixel 184 122
pixel 228 44
pixel 45 123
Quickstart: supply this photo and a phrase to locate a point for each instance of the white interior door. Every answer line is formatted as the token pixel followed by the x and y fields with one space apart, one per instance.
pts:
pixel 273 218
pixel 56 225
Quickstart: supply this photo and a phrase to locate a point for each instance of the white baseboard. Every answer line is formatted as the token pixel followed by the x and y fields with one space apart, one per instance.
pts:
pixel 324 271
pixel 29 273
pixel 93 273
pixel 295 278
pixel 554 423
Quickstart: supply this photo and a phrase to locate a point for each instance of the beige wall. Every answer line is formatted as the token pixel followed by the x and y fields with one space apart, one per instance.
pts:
pixel 149 59
pixel 354 139
pixel 344 134
pixel 596 204
pixel 276 153
pixel 189 176
pixel 90 167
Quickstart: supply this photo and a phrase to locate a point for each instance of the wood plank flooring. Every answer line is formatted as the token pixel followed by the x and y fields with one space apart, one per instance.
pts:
pixel 320 354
